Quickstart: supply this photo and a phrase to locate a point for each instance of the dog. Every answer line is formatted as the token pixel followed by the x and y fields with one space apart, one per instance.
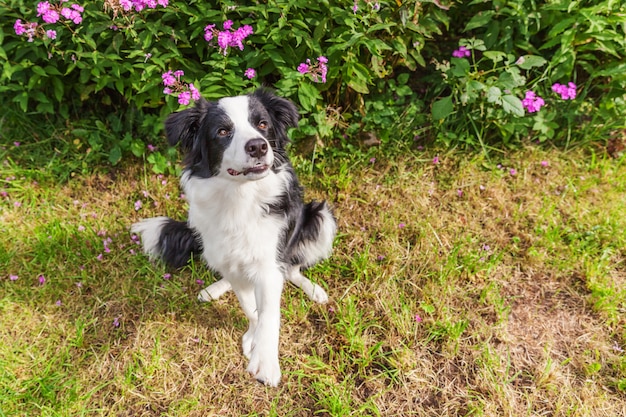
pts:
pixel 247 218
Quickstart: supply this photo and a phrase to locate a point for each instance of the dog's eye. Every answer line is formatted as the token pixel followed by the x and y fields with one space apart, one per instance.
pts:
pixel 222 133
pixel 262 125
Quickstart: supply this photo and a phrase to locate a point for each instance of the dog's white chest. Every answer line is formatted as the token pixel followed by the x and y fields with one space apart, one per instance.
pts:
pixel 239 235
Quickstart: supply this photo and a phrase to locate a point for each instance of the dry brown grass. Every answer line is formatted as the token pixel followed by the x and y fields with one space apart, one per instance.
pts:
pixel 517 281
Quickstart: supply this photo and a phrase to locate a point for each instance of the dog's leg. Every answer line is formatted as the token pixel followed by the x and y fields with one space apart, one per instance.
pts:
pixel 247 300
pixel 214 291
pixel 313 291
pixel 264 365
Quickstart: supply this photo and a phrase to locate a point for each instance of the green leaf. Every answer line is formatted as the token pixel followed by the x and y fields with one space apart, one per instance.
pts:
pixel 512 104
pixel 115 155
pixel 308 96
pixel 442 108
pixel 495 56
pixel 529 61
pixel 494 95
pixel 479 20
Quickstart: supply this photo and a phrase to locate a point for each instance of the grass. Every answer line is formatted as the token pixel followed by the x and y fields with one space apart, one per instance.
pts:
pixel 457 288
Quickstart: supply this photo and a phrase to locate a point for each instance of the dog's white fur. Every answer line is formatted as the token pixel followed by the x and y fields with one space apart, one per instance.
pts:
pixel 242 241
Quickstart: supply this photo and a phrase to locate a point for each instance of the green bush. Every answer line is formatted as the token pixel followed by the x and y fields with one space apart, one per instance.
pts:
pixel 114 59
pixel 479 97
pixel 350 66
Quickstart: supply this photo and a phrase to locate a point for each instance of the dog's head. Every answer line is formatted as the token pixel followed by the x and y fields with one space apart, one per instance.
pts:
pixel 242 137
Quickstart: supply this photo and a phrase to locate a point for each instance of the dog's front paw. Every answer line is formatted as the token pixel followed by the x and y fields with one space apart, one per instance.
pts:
pixel 246 343
pixel 265 369
pixel 214 291
pixel 317 294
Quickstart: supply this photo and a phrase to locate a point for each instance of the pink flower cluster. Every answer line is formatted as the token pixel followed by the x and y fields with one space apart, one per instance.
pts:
pixel 462 52
pixel 139 5
pixel 49 14
pixel 317 71
pixel 567 92
pixel 532 102
pixel 174 86
pixel 228 38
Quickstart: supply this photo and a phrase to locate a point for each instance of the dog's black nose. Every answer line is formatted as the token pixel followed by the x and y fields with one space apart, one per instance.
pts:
pixel 256 148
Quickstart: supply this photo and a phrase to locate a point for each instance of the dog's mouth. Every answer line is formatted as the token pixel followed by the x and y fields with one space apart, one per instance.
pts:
pixel 257 169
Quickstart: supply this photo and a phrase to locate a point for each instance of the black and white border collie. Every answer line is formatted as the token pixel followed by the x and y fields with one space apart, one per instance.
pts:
pixel 246 214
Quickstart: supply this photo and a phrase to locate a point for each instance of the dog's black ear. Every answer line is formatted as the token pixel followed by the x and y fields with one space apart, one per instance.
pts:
pixel 283 112
pixel 183 126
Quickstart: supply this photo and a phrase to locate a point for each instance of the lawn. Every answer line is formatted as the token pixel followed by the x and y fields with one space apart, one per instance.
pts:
pixel 460 284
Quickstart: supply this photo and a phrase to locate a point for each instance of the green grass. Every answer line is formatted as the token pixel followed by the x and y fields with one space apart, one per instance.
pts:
pixel 456 289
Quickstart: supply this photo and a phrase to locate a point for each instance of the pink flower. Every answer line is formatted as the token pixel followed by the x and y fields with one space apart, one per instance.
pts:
pixel 184 98
pixel 41 279
pixel 532 102
pixel 417 318
pixel 168 79
pixel 462 52
pixel 567 92
pixel 167 276
pixel 195 94
pixel 435 160
pixel 19 27
pixel 513 171
pixel 13 277
pixel 51 34
pixel 223 40
pixel 303 68
pixel 138 205
pixel 208 32
pixel 250 73
pixel 545 163
pixel 228 24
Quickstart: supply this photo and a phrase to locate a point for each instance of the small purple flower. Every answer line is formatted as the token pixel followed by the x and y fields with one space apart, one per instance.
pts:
pixel 436 160
pixel 200 282
pixel 184 98
pixel 116 322
pixel 19 27
pixel 462 52
pixel 303 68
pixel 513 171
pixel 168 79
pixel 401 226
pixel 58 303
pixel 223 40
pixel 138 205
pixel 459 192
pixel 417 318
pixel 195 94
pixel 208 32
pixel 250 73
pixel 167 276
pixel 532 102
pixel 41 279
pixel 372 160
pixel 567 92
pixel 228 24
pixel 13 277
pixel 51 34
pixel 100 257
pixel 151 147
pixel 545 163
pixel 16 144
